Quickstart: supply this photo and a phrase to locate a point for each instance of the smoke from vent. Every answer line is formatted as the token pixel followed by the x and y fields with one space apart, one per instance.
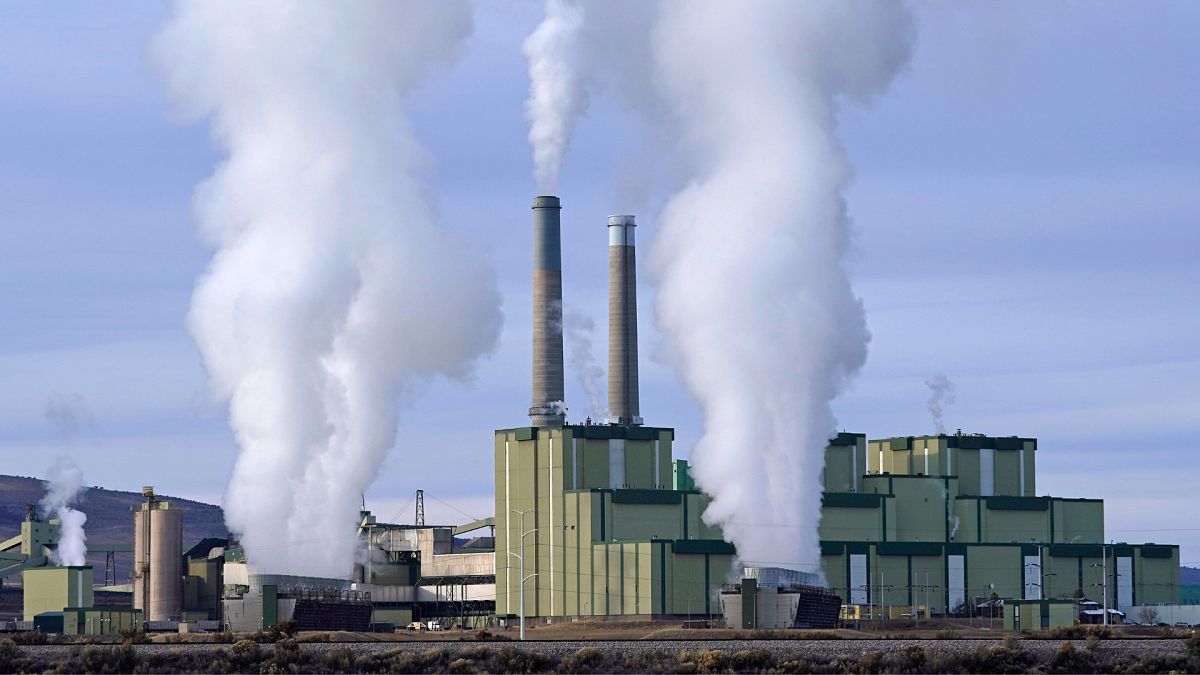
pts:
pixel 578 330
pixel 556 88
pixel 754 299
pixel 64 485
pixel 333 296
pixel 68 415
pixel 941 393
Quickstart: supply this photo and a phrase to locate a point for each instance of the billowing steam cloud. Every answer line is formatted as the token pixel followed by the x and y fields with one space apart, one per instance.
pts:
pixel 557 96
pixel 64 483
pixel 753 296
pixel 577 330
pixel 333 295
pixel 941 393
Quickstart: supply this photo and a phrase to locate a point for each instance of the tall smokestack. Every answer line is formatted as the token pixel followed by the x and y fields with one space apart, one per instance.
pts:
pixel 622 322
pixel 547 409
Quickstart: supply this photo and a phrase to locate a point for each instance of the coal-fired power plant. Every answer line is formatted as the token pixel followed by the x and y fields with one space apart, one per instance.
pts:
pixel 622 322
pixel 157 558
pixel 547 409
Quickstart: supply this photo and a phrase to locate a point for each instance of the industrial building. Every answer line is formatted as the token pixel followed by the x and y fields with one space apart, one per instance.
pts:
pixel 774 597
pixel 590 518
pixel 599 520
pixel 941 525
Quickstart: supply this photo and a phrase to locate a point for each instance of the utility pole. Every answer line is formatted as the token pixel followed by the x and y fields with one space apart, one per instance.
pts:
pixel 521 559
pixel 420 521
pixel 1104 580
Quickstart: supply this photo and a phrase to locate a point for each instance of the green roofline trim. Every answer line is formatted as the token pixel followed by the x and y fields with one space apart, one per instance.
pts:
pixel 851 500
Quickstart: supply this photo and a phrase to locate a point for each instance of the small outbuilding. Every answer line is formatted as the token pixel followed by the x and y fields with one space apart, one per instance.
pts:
pixel 1038 614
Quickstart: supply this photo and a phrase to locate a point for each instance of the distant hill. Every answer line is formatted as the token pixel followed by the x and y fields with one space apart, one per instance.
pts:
pixel 1189 575
pixel 109 520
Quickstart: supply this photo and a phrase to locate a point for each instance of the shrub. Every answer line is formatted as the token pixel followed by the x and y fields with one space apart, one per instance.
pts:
pixel 510 660
pixel 133 636
pixel 1002 659
pixel 586 660
pixel 9 654
pixel 243 654
pixel 287 653
pixel 799 665
pixel 712 661
pixel 1160 664
pixel 1068 659
pixel 94 659
pixel 751 661
pixel 35 637
pixel 947 634
pixel 871 662
pixel 1192 646
pixel 915 658
pixel 1079 632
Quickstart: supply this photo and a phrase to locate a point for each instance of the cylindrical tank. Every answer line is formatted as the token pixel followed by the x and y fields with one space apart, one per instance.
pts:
pixel 141 558
pixel 623 403
pixel 158 559
pixel 166 564
pixel 548 387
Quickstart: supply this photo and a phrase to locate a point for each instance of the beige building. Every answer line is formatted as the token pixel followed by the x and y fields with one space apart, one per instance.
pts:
pixel 53 589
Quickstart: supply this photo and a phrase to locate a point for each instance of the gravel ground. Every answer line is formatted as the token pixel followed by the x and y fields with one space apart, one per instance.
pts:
pixel 827 649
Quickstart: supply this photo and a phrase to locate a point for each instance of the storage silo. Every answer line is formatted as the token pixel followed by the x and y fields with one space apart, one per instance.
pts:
pixel 157 558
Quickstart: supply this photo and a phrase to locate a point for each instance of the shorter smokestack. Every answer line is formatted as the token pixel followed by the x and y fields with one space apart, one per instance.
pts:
pixel 622 322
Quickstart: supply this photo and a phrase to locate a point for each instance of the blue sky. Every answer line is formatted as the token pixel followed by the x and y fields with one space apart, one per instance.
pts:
pixel 1026 212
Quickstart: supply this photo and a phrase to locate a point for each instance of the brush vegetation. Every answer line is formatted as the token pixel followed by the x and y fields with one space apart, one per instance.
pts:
pixel 288 656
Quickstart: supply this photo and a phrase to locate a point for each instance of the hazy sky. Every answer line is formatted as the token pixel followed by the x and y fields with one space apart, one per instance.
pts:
pixel 1026 207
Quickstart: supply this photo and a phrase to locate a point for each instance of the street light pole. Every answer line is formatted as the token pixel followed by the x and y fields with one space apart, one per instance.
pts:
pixel 521 559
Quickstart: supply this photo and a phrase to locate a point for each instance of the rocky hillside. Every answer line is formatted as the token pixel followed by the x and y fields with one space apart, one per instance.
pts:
pixel 109 520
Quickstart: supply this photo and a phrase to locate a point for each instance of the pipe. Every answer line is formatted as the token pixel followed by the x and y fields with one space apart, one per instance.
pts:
pixel 623 402
pixel 548 391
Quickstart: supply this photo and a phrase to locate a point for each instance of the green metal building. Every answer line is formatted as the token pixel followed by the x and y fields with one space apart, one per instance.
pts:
pixel 607 532
pixel 940 524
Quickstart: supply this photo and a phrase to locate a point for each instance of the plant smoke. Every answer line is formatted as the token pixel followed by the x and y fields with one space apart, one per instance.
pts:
pixel 68 415
pixel 753 296
pixel 333 295
pixel 64 485
pixel 941 393
pixel 578 330
pixel 557 96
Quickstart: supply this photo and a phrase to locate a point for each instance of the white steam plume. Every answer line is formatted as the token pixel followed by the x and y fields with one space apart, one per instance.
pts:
pixel 941 393
pixel 333 295
pixel 64 484
pixel 753 296
pixel 557 96
pixel 577 330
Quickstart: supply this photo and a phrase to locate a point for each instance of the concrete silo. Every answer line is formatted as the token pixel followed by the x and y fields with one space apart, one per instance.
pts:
pixel 157 558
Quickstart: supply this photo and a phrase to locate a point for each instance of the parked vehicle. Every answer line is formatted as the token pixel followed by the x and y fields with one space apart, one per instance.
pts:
pixel 416 625
pixel 434 625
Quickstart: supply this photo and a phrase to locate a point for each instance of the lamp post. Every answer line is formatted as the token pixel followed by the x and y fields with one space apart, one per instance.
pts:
pixel 1103 578
pixel 521 559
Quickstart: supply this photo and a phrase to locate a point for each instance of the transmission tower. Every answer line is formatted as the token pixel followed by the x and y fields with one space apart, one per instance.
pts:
pixel 420 508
